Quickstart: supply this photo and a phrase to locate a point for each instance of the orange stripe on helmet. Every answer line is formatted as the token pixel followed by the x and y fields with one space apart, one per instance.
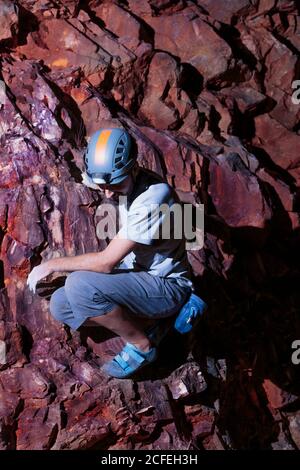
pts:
pixel 101 146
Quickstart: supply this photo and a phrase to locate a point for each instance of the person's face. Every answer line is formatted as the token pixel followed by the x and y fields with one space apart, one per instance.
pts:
pixel 115 190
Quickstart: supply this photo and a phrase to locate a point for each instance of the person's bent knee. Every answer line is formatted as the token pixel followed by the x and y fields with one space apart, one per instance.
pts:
pixel 74 279
pixel 57 304
pixel 79 287
pixel 76 284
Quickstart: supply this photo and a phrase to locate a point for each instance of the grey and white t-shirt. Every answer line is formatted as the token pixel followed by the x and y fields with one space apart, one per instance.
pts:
pixel 141 220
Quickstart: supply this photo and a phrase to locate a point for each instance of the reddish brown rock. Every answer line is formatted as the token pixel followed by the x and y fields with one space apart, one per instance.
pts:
pixel 281 65
pixel 8 20
pixel 201 419
pixel 293 30
pixel 140 7
pixel 186 380
pixel 247 98
pixel 11 345
pixel 163 104
pixel 284 192
pixel 83 435
pixel 214 443
pixel 283 441
pixel 38 428
pixel 10 406
pixel 66 40
pixel 214 111
pixel 231 184
pixel 294 424
pixel 129 30
pixel 280 144
pixel 185 35
pixel 227 11
pixel 28 382
pixel 277 397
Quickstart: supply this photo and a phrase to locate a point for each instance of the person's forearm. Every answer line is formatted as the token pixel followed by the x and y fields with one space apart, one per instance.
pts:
pixel 87 262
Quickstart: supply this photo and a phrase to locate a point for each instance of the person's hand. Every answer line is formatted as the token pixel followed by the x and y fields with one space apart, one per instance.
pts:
pixel 38 273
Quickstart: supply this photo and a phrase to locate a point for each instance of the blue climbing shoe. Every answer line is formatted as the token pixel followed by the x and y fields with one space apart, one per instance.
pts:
pixel 190 314
pixel 129 361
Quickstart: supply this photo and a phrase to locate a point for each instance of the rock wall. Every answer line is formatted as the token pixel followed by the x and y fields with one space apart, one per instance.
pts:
pixel 205 87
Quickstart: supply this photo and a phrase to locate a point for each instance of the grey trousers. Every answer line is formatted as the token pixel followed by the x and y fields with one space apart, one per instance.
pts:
pixel 87 294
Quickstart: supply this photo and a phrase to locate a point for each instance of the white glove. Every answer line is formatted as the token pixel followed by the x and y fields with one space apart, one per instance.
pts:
pixel 38 273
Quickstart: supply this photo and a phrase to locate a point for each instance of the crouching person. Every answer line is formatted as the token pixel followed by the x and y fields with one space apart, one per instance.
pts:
pixel 139 274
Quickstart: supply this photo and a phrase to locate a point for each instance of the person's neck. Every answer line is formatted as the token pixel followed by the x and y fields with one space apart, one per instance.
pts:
pixel 134 176
pixel 133 186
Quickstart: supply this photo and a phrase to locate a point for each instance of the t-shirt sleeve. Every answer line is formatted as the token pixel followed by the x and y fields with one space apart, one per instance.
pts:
pixel 147 215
